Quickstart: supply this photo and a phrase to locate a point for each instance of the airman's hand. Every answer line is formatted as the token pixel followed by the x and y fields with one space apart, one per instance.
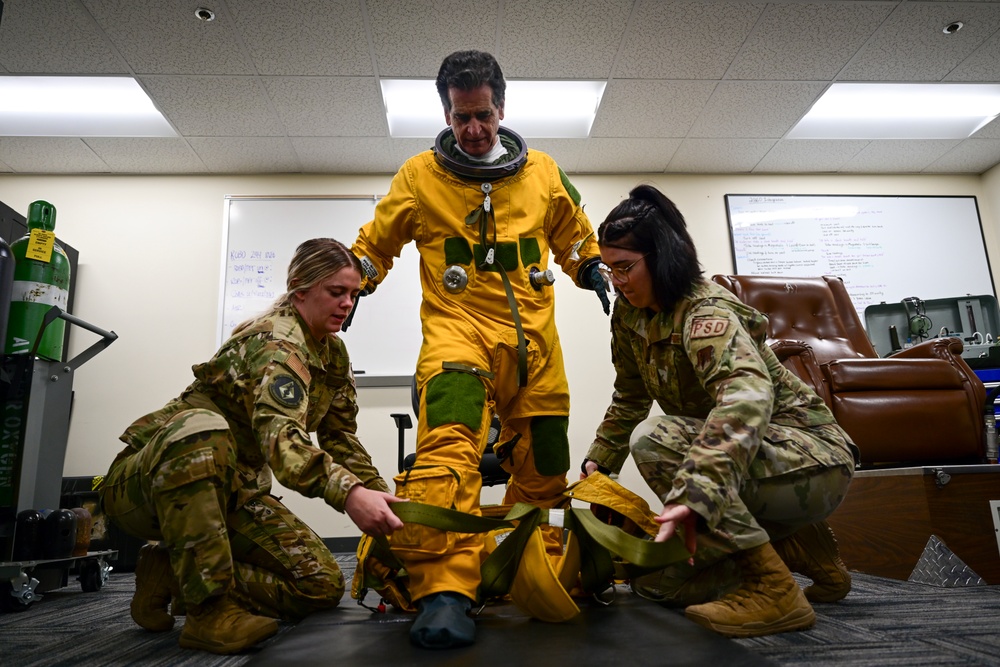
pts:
pixel 673 516
pixel 369 510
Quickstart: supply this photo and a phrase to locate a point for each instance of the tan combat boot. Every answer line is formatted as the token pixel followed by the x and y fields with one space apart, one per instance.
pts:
pixel 768 600
pixel 677 587
pixel 154 580
pixel 812 551
pixel 220 625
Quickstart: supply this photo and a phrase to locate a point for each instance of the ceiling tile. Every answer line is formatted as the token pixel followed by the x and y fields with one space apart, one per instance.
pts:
pixel 982 65
pixel 566 152
pixel 910 45
pixel 650 108
pixel 898 156
pixel 167 38
pixel 586 45
pixel 145 155
pixel 241 155
pixel 362 155
pixel 328 106
pixel 54 37
pixel 972 156
pixel 412 37
pixel 790 156
pixel 747 108
pixel 612 156
pixel 305 37
pixel 50 155
pixel 816 40
pixel 718 156
pixel 404 149
pixel 214 106
pixel 684 40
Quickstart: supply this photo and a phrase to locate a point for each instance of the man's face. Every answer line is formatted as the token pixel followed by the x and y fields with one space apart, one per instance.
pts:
pixel 474 119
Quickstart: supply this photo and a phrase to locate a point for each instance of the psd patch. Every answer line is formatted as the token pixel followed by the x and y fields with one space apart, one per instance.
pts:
pixel 706 356
pixel 708 327
pixel 286 391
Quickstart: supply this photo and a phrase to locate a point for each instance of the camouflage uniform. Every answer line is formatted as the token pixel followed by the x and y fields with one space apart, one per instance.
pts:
pixel 744 443
pixel 197 473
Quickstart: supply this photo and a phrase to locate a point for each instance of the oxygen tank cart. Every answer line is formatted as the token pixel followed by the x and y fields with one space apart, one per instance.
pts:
pixel 35 401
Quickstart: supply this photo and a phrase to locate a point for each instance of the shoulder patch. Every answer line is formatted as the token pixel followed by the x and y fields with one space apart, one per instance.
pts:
pixel 708 327
pixel 286 391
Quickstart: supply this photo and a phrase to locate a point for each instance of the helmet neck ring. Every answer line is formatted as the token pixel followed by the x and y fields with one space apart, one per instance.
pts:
pixel 481 172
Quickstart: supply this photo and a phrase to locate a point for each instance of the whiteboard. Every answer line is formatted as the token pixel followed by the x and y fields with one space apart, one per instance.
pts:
pixel 260 235
pixel 886 248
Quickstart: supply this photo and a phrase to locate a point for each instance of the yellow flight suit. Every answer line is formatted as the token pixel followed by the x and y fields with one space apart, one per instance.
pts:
pixel 535 210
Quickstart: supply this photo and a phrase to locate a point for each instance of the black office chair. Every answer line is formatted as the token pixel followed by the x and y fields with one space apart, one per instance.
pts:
pixel 489 467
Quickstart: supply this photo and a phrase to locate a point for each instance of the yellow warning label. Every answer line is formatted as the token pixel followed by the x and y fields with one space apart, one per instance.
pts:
pixel 40 245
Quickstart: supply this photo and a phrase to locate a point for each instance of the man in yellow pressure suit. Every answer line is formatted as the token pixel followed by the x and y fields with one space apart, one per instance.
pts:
pixel 485 212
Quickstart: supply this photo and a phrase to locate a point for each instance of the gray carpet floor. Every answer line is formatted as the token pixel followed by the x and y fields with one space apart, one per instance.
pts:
pixel 881 622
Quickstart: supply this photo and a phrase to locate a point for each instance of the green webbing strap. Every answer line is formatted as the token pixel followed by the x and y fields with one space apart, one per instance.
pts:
pixel 597 567
pixel 522 347
pixel 435 517
pixel 446 519
pixel 598 542
pixel 642 553
pixel 498 570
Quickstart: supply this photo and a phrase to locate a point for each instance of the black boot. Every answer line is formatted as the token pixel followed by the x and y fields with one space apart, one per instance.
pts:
pixel 443 621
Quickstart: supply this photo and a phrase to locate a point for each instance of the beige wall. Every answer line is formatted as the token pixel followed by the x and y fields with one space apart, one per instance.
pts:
pixel 150 261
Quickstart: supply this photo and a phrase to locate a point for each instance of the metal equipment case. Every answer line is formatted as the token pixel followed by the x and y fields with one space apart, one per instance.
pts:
pixel 973 319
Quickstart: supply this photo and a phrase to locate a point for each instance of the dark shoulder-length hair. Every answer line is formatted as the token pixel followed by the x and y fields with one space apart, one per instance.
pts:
pixel 648 222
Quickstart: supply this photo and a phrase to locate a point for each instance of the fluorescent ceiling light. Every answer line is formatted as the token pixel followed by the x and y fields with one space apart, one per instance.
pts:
pixel 900 111
pixel 551 109
pixel 78 106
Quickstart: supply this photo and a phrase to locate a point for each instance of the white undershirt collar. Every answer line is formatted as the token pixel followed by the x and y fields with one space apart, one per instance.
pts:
pixel 492 155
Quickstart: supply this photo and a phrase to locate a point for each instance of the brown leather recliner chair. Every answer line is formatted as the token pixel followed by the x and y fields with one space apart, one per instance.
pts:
pixel 923 405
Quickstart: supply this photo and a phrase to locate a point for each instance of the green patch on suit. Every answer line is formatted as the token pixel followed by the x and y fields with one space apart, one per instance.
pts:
pixel 573 192
pixel 550 444
pixel 505 256
pixel 530 253
pixel 455 398
pixel 457 251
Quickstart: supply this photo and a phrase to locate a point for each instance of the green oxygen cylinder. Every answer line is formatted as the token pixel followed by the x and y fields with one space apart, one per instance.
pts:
pixel 41 280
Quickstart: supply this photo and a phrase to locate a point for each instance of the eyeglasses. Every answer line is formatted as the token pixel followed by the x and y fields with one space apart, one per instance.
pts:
pixel 621 273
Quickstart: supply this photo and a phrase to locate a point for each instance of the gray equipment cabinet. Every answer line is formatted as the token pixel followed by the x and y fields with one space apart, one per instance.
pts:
pixel 35 402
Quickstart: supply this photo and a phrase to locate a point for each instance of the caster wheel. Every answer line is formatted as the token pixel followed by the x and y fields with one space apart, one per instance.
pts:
pixel 91 577
pixel 9 603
